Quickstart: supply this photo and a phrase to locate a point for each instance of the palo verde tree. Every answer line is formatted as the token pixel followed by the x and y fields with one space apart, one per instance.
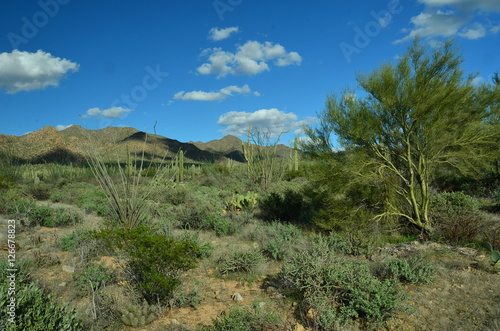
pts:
pixel 413 116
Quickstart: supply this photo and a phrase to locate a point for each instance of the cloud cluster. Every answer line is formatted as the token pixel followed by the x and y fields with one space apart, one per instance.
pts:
pixel 250 58
pixel 222 94
pixel 217 34
pixel 271 121
pixel 24 71
pixel 447 18
pixel 114 112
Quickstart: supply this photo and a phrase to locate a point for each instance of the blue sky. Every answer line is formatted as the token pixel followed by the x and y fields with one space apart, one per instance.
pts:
pixel 204 69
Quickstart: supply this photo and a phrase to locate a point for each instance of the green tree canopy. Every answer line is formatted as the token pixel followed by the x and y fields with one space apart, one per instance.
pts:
pixel 415 115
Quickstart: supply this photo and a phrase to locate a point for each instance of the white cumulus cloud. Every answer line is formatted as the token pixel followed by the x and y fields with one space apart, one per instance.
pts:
pixel 217 34
pixel 114 112
pixel 250 58
pixel 446 18
pixel 271 121
pixel 222 94
pixel 24 71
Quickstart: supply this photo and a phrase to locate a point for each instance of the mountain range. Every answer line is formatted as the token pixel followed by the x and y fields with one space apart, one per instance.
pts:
pixel 73 144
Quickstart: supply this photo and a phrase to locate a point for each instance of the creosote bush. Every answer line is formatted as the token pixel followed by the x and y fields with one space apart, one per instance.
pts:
pixel 153 261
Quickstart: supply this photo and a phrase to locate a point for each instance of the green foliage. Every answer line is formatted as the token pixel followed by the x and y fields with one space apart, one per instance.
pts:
pixel 456 217
pixel 279 240
pixel 348 244
pixel 339 289
pixel 39 191
pixel 51 217
pixel 84 195
pixel 138 315
pixel 411 270
pixel 92 277
pixel 5 183
pixel 35 309
pixel 437 116
pixel 495 255
pixel 154 262
pixel 289 205
pixel 247 319
pixel 184 296
pixel 240 261
pixel 243 202
pixel 222 226
pixel 74 239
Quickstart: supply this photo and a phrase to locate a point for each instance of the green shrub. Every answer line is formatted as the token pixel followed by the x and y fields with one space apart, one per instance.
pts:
pixel 288 206
pixel 48 216
pixel 63 217
pixel 325 280
pixel 456 217
pixel 495 196
pixel 93 276
pixel 74 239
pixel 39 215
pixel 348 244
pixel 411 270
pixel 39 191
pixel 222 226
pixel 138 315
pixel 279 240
pixel 154 261
pixel 247 319
pixel 35 309
pixel 240 261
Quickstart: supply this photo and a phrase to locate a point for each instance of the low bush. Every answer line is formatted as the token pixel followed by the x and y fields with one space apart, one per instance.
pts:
pixel 280 238
pixel 288 206
pixel 154 261
pixel 410 270
pixel 348 244
pixel 247 319
pixel 39 191
pixel 35 309
pixel 240 261
pixel 222 226
pixel 456 218
pixel 92 277
pixel 50 217
pixel 337 289
pixel 74 239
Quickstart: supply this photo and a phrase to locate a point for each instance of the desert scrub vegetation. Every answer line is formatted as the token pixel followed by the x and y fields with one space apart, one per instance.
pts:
pixel 254 318
pixel 152 261
pixel 335 290
pixel 35 308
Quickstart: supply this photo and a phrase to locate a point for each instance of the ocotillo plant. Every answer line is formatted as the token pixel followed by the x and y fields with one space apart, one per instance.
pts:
pixel 179 162
pixel 248 150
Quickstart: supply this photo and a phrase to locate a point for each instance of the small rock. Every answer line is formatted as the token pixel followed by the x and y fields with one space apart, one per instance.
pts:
pixel 62 284
pixel 68 268
pixel 173 321
pixel 261 304
pixel 219 297
pixel 295 304
pixel 237 297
